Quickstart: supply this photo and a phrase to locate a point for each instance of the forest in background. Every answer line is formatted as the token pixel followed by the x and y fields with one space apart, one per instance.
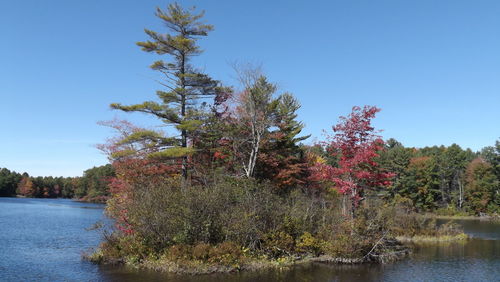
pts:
pixel 447 180
pixel 92 186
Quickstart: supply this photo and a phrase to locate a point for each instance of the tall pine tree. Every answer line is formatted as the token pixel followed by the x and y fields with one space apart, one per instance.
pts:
pixel 184 101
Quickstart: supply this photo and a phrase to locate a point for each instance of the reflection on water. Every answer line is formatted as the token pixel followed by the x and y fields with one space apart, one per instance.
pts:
pixel 42 240
pixel 481 229
pixel 312 272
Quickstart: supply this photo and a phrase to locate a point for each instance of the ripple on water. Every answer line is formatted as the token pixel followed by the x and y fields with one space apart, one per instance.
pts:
pixel 42 240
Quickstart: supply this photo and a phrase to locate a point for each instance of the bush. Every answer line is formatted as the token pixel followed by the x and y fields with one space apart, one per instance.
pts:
pixel 232 219
pixel 227 253
pixel 201 251
pixel 179 252
pixel 308 244
pixel 242 211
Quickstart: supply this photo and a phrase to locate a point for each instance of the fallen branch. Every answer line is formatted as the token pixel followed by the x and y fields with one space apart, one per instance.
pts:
pixel 376 244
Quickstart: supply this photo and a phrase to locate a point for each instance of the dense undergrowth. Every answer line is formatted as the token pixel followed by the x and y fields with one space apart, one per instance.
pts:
pixel 243 224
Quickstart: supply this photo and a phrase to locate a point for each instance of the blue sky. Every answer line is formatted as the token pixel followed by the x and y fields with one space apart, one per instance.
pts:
pixel 432 66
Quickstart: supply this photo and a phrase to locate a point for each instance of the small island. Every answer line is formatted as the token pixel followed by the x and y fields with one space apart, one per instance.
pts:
pixel 226 180
pixel 237 189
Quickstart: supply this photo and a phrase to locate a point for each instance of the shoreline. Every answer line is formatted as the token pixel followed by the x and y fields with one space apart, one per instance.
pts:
pixel 433 239
pixel 393 251
pixel 463 217
pixel 195 267
pixel 96 200
pixel 401 247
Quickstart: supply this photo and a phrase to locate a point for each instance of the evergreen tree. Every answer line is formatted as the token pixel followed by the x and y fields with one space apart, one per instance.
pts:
pixel 395 158
pixel 492 155
pixel 452 163
pixel 8 182
pixel 187 89
pixel 282 160
pixel 482 187
pixel 420 183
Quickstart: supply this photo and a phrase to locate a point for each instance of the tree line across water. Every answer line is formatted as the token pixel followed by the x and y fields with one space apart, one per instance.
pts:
pixel 91 186
pixel 448 180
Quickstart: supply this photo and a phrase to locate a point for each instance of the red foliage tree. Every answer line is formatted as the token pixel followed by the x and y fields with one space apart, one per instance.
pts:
pixel 26 187
pixel 356 146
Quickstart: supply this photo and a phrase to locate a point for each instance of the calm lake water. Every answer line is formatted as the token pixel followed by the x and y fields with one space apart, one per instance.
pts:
pixel 42 240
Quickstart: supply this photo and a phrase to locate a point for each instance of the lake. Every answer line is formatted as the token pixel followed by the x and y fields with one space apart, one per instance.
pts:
pixel 43 239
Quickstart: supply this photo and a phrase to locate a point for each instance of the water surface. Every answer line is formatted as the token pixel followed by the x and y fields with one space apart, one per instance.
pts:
pixel 43 239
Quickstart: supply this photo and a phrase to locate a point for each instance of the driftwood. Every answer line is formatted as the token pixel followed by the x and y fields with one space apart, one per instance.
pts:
pixel 375 246
pixel 383 251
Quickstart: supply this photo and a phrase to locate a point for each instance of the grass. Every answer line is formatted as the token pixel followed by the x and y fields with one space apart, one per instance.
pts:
pixel 198 267
pixel 493 217
pixel 433 239
pixel 228 257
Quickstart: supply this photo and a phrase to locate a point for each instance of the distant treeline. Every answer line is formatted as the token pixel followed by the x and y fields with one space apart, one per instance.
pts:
pixel 92 186
pixel 449 180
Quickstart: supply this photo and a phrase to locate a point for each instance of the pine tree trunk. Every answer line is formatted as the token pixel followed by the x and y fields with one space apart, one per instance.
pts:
pixel 183 115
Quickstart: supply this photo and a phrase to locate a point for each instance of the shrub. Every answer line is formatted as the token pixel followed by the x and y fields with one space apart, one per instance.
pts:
pixel 308 244
pixel 278 244
pixel 201 251
pixel 227 253
pixel 179 252
pixel 214 223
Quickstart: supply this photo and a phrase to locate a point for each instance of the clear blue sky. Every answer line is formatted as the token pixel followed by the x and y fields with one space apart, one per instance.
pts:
pixel 432 66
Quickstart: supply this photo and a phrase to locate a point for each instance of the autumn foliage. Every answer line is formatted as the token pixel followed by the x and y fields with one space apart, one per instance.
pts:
pixel 356 146
pixel 26 187
pixel 231 178
pixel 132 167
